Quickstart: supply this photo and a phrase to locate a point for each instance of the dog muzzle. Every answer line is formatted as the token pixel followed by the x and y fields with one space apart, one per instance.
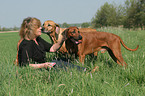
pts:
pixel 44 31
pixel 77 41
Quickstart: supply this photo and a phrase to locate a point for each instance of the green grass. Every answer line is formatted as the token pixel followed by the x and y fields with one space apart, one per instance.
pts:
pixel 110 80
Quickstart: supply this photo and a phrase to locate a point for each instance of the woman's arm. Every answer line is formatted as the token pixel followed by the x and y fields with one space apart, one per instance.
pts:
pixel 42 65
pixel 55 47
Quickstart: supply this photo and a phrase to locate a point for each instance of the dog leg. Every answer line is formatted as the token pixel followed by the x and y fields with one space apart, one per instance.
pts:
pixel 95 53
pixel 113 56
pixel 92 55
pixel 116 53
pixel 120 59
pixel 82 59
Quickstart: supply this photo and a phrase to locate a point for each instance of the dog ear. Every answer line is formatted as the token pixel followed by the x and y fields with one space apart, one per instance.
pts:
pixel 65 33
pixel 57 25
pixel 57 28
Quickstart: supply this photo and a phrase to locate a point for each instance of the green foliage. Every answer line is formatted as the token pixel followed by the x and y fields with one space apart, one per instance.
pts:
pixel 9 29
pixel 107 16
pixel 65 25
pixel 85 25
pixel 110 80
pixel 131 12
pixel 135 14
pixel 132 15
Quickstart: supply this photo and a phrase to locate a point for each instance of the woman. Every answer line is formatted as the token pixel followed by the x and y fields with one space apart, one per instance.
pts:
pixel 32 49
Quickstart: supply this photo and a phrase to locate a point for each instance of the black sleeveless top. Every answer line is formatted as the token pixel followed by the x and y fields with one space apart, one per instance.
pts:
pixel 30 52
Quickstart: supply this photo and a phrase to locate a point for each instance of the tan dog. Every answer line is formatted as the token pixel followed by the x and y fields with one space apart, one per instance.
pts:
pixel 55 33
pixel 84 43
pixel 52 29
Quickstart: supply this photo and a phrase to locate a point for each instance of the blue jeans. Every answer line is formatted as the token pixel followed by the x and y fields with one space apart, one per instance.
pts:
pixel 66 65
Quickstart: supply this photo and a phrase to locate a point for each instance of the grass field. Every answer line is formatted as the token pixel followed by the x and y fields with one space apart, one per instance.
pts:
pixel 110 80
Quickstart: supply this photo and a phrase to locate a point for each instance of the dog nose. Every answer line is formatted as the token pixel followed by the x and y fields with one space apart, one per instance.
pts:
pixel 80 37
pixel 42 29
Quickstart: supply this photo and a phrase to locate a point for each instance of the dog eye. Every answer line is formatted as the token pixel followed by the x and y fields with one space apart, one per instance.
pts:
pixel 73 32
pixel 78 31
pixel 49 25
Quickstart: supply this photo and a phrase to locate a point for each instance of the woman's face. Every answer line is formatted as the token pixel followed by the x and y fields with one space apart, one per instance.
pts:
pixel 38 33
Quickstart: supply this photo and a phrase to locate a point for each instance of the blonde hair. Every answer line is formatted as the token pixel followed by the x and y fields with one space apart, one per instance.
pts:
pixel 29 28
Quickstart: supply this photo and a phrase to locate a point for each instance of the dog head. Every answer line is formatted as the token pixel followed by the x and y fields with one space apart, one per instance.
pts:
pixel 73 34
pixel 50 27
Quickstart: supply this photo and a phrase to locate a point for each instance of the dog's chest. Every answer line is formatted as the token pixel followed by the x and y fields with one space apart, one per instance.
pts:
pixel 71 47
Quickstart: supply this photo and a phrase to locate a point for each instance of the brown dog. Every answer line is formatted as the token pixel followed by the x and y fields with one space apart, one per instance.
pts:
pixel 55 33
pixel 84 43
pixel 16 62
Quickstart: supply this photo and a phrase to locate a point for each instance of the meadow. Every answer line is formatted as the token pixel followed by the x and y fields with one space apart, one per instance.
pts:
pixel 109 80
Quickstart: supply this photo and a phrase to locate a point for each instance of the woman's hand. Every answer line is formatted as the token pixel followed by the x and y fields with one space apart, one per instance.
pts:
pixel 55 47
pixel 49 64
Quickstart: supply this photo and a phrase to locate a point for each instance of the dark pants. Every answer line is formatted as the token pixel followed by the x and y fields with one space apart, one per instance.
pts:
pixel 66 65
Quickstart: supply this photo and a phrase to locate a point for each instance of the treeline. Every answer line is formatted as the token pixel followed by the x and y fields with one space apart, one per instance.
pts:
pixel 82 25
pixel 9 29
pixel 130 15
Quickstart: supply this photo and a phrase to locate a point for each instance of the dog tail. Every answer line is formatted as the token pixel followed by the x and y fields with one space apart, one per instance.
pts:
pixel 126 46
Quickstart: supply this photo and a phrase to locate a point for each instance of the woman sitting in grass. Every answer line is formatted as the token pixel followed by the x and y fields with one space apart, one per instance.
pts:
pixel 32 48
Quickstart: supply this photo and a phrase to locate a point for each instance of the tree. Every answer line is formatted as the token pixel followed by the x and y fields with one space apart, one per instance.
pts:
pixel 101 16
pixel 120 10
pixel 85 25
pixel 130 13
pixel 65 25
pixel 4 29
pixel 107 16
pixel 15 28
pixel 135 14
pixel 141 13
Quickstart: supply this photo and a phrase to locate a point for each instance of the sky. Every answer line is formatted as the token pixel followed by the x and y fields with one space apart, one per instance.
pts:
pixel 12 12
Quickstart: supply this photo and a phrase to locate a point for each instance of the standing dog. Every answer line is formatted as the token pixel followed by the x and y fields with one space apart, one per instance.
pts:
pixel 84 43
